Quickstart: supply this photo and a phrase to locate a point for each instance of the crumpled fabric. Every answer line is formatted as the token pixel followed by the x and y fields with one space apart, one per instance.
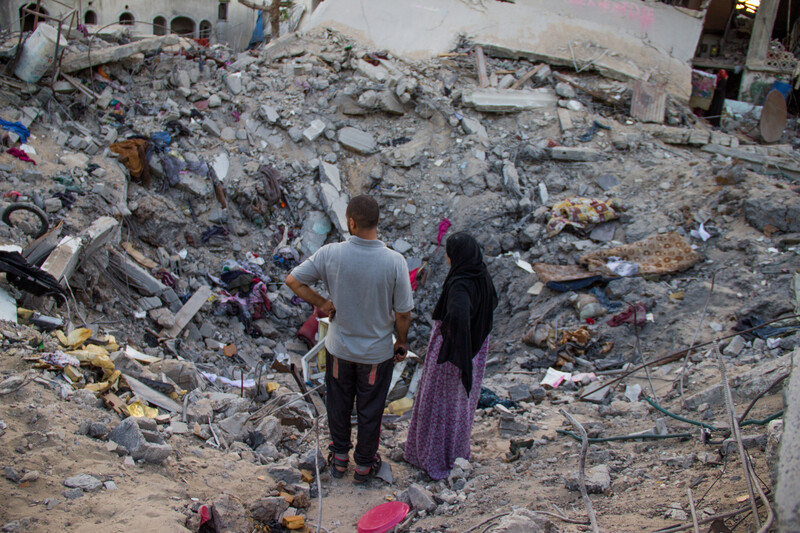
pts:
pixel 659 254
pixel 272 183
pixel 21 155
pixel 444 225
pixel 173 164
pixel 16 127
pixel 161 140
pixel 216 231
pixel 581 212
pixel 489 398
pixel 751 321
pixel 626 316
pixel 133 154
pixel 412 276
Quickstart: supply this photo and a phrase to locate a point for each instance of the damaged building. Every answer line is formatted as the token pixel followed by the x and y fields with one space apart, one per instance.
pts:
pixel 157 185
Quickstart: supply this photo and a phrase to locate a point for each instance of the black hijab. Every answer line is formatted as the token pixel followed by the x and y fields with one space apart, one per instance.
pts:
pixel 465 306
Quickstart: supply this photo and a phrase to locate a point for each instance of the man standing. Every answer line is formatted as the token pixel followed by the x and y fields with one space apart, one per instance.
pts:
pixel 370 294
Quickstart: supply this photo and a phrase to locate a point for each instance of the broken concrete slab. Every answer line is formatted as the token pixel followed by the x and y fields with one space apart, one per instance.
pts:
pixel 357 140
pixel 504 101
pixel 335 204
pixel 330 174
pixel 190 308
pixel 61 263
pixel 152 396
pixel 135 275
pixel 80 61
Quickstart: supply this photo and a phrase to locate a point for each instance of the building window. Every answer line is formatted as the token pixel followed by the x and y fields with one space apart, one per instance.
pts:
pixel 159 26
pixel 205 30
pixel 222 13
pixel 90 17
pixel 126 19
pixel 183 26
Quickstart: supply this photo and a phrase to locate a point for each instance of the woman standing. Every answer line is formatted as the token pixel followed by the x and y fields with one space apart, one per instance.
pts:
pixel 441 423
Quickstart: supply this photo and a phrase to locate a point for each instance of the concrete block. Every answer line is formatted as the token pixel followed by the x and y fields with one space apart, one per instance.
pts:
pixel 335 204
pixel 141 438
pixel 314 130
pixel 330 174
pixel 504 101
pixel 357 140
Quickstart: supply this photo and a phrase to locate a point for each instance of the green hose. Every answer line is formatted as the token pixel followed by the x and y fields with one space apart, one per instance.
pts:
pixel 678 417
pixel 762 422
pixel 628 437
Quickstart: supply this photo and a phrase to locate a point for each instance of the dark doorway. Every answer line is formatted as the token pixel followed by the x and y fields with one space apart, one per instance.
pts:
pixel 126 19
pixel 90 17
pixel 27 20
pixel 205 30
pixel 159 26
pixel 183 26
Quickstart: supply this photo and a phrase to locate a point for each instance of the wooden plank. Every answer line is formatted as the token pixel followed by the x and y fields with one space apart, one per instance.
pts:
pixel 44 245
pixel 480 64
pixel 152 396
pixel 649 102
pixel 187 312
pixel 528 75
pixel 138 256
pixel 752 157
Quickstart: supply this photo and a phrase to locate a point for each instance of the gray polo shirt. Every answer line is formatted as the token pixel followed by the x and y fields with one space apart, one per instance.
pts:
pixel 367 283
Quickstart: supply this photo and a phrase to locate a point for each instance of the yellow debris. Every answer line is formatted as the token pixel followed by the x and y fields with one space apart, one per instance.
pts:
pixel 137 408
pixel 294 522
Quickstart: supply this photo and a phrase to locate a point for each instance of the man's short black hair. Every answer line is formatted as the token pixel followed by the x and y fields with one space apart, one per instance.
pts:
pixel 364 210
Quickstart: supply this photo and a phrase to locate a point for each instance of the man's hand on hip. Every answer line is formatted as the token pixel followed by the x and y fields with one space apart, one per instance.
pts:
pixel 328 308
pixel 400 351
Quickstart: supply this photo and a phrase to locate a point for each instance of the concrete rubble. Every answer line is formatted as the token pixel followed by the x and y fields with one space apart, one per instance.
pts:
pixel 150 366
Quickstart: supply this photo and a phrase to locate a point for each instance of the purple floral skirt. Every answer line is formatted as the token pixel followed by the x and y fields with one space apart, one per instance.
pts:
pixel 441 422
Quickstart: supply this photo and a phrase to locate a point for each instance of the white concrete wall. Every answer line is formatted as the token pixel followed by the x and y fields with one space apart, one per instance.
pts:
pixel 236 30
pixel 643 37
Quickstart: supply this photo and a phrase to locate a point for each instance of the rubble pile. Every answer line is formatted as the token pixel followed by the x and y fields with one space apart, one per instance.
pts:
pixel 153 371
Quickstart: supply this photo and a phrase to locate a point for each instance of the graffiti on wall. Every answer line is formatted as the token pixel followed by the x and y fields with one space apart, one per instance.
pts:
pixel 646 16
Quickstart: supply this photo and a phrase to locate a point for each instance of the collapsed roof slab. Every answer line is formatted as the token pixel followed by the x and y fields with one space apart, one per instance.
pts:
pixel 621 39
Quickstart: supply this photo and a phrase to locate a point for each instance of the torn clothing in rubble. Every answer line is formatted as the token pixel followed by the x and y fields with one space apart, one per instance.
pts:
pixel 272 183
pixel 133 154
pixel 581 212
pixel 21 155
pixel 16 127
pixel 659 254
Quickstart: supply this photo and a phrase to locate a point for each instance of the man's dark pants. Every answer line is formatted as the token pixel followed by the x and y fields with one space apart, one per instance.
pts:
pixel 368 386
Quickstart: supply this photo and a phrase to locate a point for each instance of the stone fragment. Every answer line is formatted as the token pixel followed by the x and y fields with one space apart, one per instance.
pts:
pixel 401 246
pixel 335 204
pixel 607 181
pixel 228 134
pixel 314 130
pixel 85 482
pixel 598 480
pixel 565 90
pixel 357 140
pixel 141 438
pixel 211 127
pixel 234 82
pixel 420 498
pixel 287 474
pixel 735 346
pixel 162 316
pixel 268 509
